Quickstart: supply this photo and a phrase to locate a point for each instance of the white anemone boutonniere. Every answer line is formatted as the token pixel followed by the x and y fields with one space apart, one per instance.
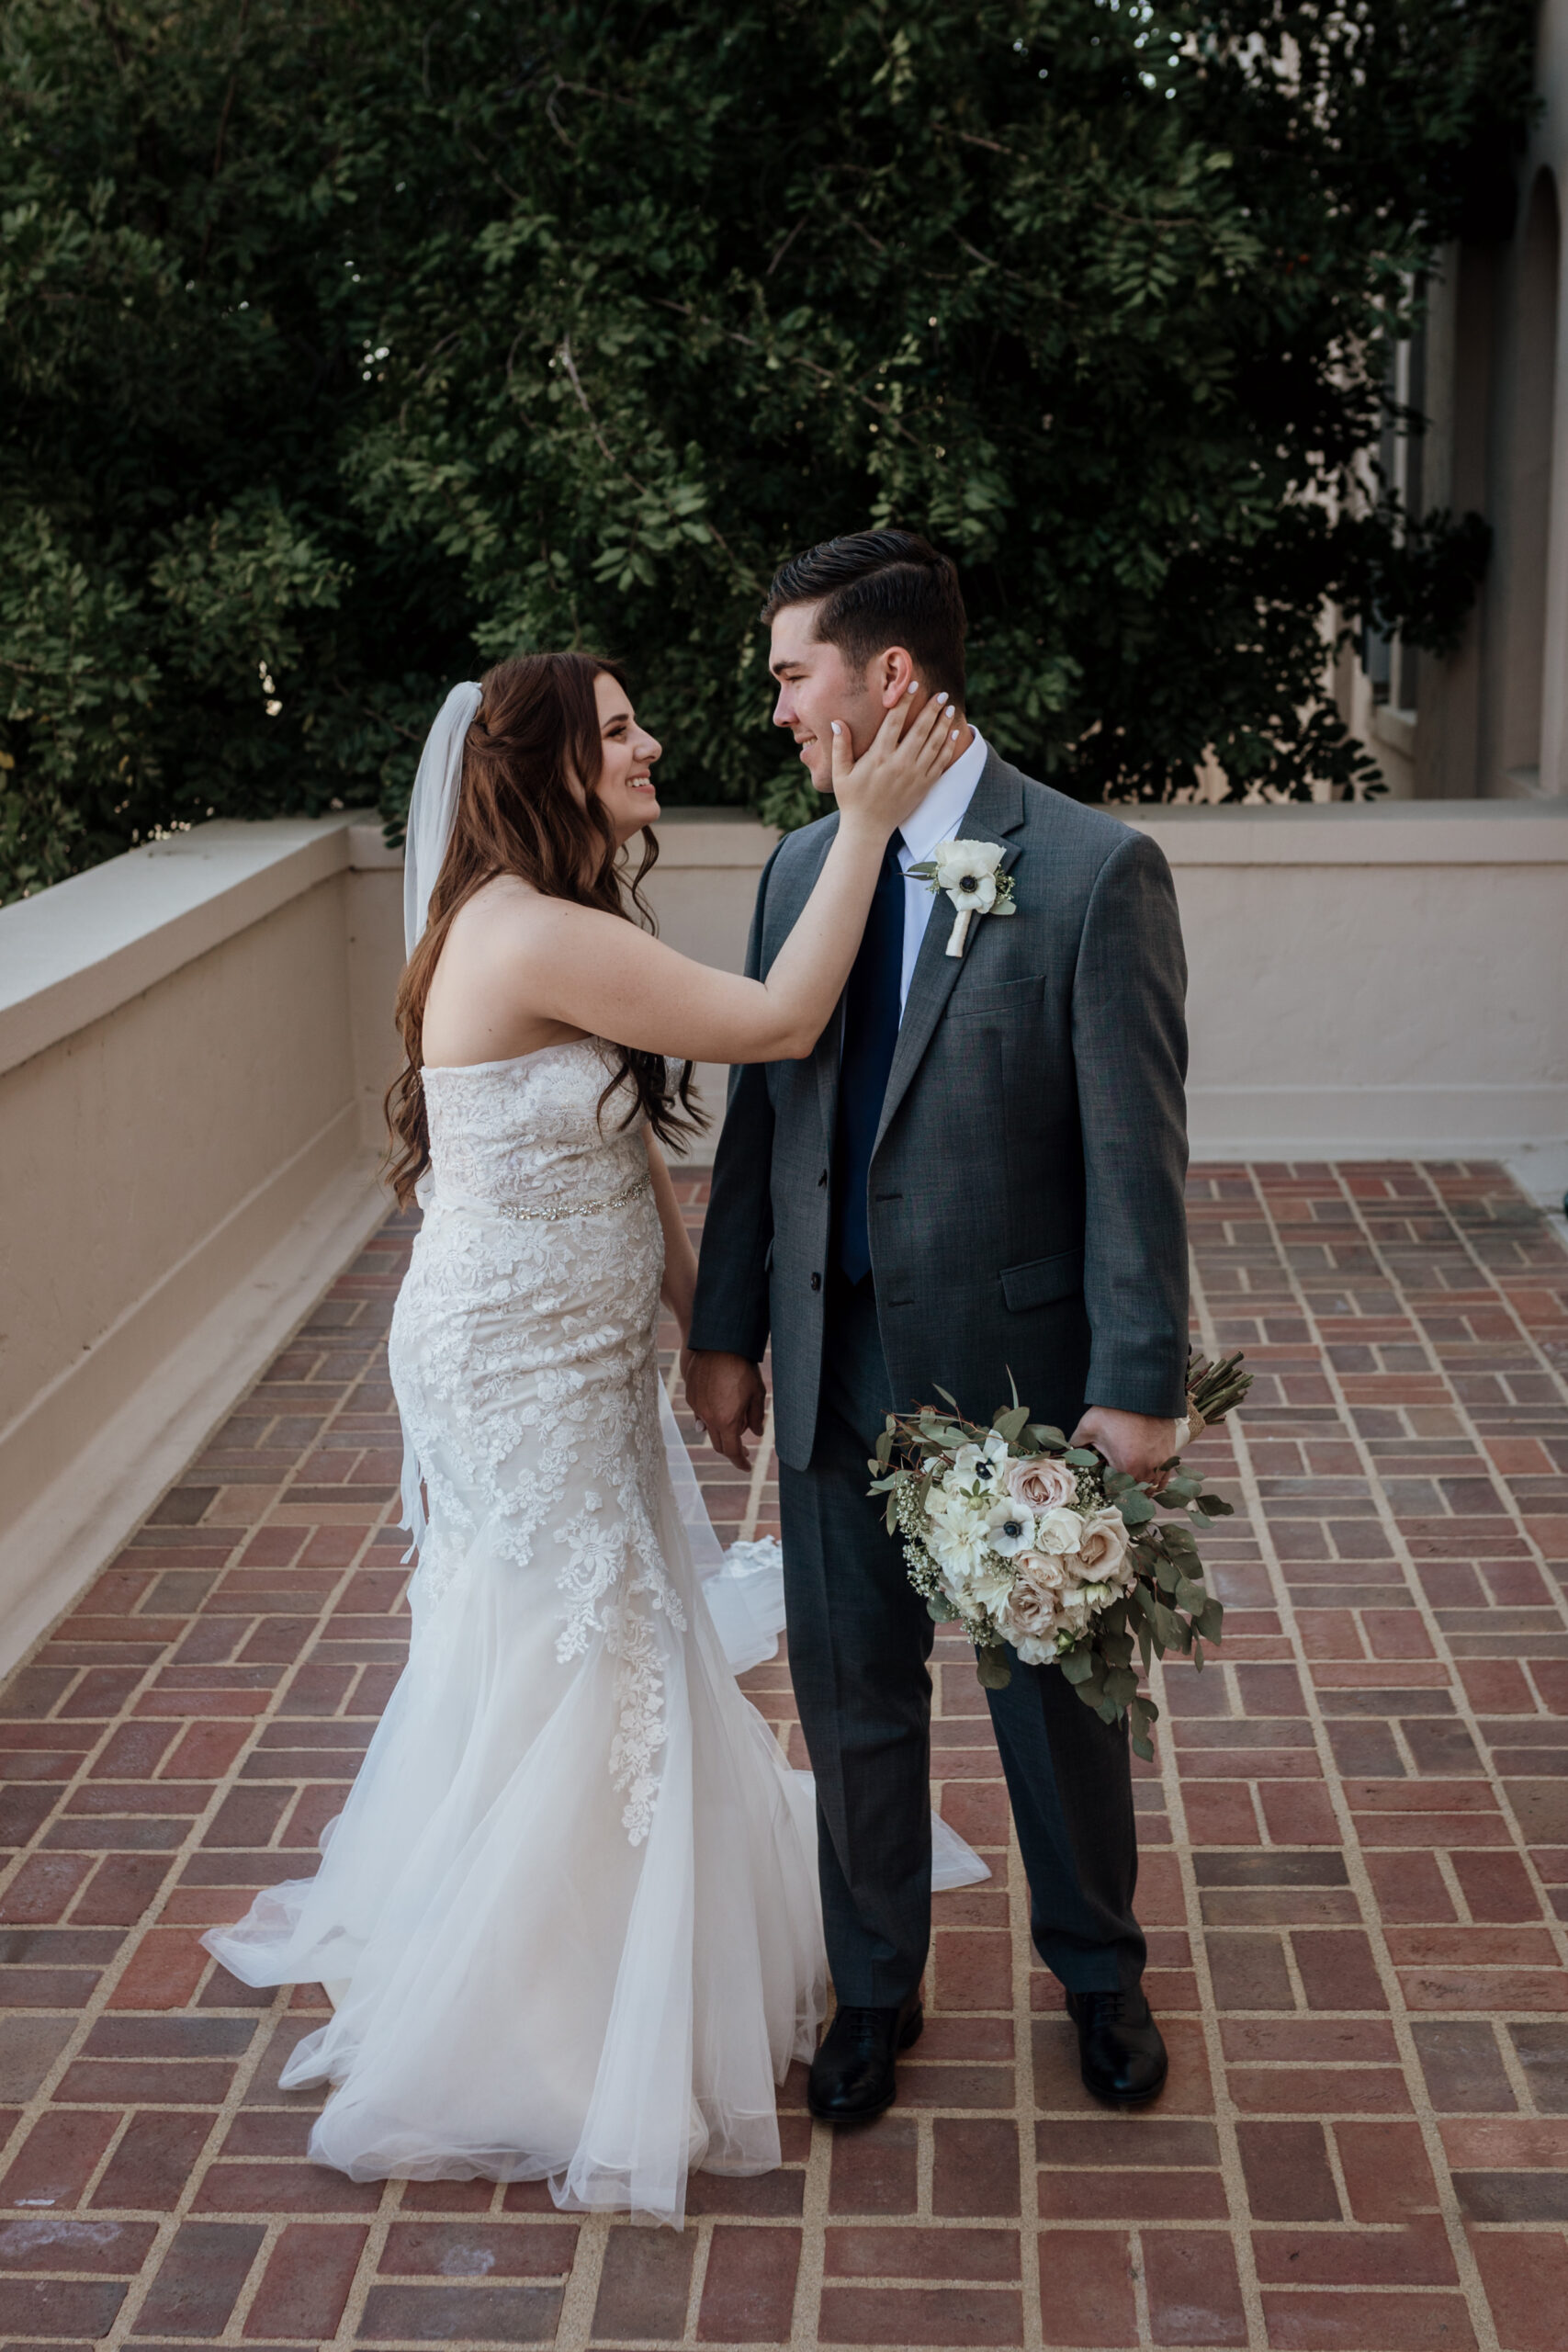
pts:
pixel 969 873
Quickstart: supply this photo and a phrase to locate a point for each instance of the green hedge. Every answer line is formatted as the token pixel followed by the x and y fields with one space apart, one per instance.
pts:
pixel 346 347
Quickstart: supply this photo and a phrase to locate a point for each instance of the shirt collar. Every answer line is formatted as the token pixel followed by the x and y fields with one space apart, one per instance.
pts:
pixel 941 812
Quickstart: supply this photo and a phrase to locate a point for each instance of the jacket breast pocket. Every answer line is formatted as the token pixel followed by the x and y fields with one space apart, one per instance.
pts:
pixel 1024 995
pixel 1040 1282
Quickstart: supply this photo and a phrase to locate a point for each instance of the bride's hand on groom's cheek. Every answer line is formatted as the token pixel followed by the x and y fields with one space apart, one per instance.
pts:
pixel 892 775
pixel 726 1394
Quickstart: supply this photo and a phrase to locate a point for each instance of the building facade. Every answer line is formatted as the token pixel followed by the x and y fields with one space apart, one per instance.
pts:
pixel 1490 371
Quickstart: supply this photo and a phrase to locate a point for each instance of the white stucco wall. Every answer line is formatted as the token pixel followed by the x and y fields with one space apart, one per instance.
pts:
pixel 1384 980
pixel 192 1042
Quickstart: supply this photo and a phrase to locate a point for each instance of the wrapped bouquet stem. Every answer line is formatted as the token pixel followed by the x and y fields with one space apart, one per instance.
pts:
pixel 1033 1543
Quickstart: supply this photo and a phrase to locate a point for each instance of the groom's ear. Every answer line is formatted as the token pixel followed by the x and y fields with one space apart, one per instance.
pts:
pixel 892 673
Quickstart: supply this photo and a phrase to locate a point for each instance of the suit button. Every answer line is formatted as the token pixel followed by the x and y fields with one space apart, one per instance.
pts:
pixel 816 1282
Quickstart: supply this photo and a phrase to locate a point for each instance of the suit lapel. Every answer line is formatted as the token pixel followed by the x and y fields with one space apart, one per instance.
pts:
pixel 996 810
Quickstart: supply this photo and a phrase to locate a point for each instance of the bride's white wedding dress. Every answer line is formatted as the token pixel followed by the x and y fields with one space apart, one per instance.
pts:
pixel 569 1912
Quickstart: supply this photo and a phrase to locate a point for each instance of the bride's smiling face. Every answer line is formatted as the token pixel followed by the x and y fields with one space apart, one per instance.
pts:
pixel 628 750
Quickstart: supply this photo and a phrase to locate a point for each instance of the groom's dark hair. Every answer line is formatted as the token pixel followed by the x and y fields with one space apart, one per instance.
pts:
pixel 877 589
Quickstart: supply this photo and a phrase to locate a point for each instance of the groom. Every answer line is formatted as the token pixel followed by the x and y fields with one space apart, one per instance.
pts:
pixel 978 1171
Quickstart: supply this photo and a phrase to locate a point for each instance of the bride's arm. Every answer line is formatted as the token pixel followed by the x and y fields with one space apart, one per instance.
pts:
pixel 556 961
pixel 679 1282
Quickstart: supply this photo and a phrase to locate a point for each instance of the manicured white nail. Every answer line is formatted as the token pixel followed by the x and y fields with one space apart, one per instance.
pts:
pixel 940 700
pixel 912 685
pixel 953 737
pixel 836 730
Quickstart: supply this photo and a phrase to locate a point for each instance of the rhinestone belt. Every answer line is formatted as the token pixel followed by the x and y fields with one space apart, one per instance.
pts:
pixel 569 1208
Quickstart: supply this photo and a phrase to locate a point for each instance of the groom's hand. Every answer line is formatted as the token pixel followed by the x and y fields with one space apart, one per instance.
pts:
pixel 727 1395
pixel 1135 1443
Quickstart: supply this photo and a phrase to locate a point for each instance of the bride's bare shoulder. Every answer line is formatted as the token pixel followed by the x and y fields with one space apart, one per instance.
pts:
pixel 507 916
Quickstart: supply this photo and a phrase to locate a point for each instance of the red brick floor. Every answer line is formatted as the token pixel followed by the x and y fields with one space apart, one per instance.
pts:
pixel 1355 1877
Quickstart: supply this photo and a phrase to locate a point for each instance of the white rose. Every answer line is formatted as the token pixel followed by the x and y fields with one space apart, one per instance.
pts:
pixel 1031 1614
pixel 1103 1548
pixel 1059 1531
pixel 1037 1607
pixel 1040 1482
pixel 1047 1571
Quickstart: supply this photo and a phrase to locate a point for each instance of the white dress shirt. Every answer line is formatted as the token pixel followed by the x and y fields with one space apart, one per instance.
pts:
pixel 936 820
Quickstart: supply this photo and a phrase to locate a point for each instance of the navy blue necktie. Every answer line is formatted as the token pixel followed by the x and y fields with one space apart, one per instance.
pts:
pixel 872 1010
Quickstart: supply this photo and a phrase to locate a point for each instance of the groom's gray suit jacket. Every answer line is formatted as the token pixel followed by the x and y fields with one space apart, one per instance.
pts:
pixel 1025 1195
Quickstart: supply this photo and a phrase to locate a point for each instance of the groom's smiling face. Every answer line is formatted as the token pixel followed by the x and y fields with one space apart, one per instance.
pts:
pixel 816 686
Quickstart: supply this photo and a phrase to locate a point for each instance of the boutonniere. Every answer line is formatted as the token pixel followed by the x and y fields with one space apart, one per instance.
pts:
pixel 968 872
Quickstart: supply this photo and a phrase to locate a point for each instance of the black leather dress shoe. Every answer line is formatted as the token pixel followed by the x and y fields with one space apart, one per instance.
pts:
pixel 1120 2047
pixel 852 2075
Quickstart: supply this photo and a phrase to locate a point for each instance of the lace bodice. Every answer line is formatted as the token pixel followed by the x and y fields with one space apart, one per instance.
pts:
pixel 524 1136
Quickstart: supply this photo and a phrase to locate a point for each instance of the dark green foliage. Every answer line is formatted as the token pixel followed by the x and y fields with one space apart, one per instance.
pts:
pixel 348 347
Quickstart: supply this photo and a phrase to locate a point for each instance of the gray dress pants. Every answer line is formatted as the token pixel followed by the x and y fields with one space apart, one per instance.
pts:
pixel 860 1643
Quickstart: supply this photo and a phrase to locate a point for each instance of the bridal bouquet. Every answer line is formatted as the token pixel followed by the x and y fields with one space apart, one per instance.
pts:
pixel 1023 1539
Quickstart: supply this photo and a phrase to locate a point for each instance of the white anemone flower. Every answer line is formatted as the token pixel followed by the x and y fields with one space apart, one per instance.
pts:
pixel 1009 1527
pixel 979 1465
pixel 968 872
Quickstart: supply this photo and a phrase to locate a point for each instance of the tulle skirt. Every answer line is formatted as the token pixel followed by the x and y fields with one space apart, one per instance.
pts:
pixel 523 1989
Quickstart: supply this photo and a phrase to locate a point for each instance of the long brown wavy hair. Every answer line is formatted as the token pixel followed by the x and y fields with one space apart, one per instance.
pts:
pixel 536 729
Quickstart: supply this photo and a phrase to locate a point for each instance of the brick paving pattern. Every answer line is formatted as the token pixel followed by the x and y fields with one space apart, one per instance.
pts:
pixel 1355 1877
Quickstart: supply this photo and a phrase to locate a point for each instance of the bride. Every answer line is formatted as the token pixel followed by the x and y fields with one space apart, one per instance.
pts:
pixel 569 1916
